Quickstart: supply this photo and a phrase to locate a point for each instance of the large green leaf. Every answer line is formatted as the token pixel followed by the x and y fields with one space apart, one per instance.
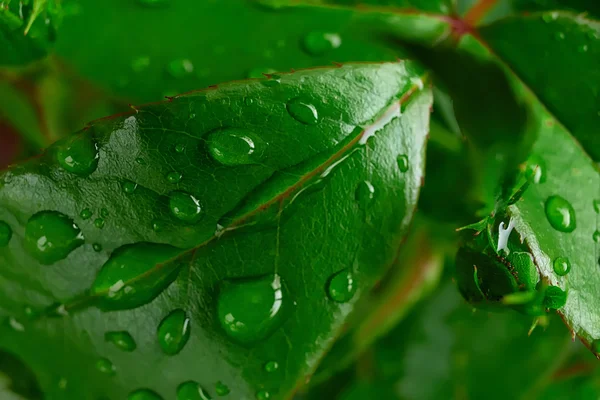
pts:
pixel 247 218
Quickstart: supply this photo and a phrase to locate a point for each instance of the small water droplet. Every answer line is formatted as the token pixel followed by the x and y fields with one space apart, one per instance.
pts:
pixel 365 192
pixel 221 389
pixel 583 48
pixel 263 395
pixel 319 43
pixel 157 226
pixel 174 177
pixel 559 35
pixel 561 266
pixel 117 285
pixel 597 206
pixel 402 161
pixel 140 64
pixel 104 212
pixel 341 286
pixel 144 394
pixel 180 68
pixel 303 111
pixel 250 310
pixel 554 297
pixel 50 236
pixel 153 3
pixel 192 391
pixel 86 213
pixel 129 187
pixel 105 366
pixel 259 72
pixel 233 146
pixel 536 169
pixel 140 161
pixel 271 366
pixel 78 154
pixel 99 223
pixel 173 332
pixel 560 214
pixel 5 233
pixel 97 247
pixel 596 236
pixel 122 339
pixel 179 147
pixel 271 81
pixel 184 206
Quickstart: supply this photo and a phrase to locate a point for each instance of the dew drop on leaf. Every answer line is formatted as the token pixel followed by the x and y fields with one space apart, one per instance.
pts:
pixel 105 366
pixel 97 247
pixel 560 214
pixel 559 35
pixel 250 310
pixel 99 223
pixel 221 389
pixel 233 146
pixel 402 161
pixel 78 154
pixel 134 275
pixel 173 332
pixel 50 236
pixel 122 339
pixel 561 266
pixel 104 213
pixel 365 192
pixel 191 391
pixel 157 226
pixel 271 366
pixel 303 111
pixel 5 233
pixel 179 147
pixel 180 68
pixel 144 394
pixel 184 206
pixel 271 81
pixel 318 43
pixel 86 213
pixel 536 169
pixel 174 177
pixel 554 297
pixel 263 395
pixel 596 236
pixel 129 187
pixel 341 286
pixel 259 72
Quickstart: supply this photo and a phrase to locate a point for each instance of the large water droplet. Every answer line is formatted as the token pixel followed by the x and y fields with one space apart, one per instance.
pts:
pixel 263 395
pixel 97 247
pixel 252 309
pixel 105 366
pixel 86 213
pixel 180 68
pixel 5 233
pixel 561 266
pixel 184 206
pixel 341 286
pixel 221 389
pixel 271 366
pixel 319 43
pixel 536 169
pixel 122 339
pixel 134 275
pixel 191 391
pixel 144 394
pixel 365 192
pixel 560 214
pixel 174 177
pixel 303 111
pixel 50 236
pixel 78 154
pixel 174 332
pixel 233 146
pixel 554 297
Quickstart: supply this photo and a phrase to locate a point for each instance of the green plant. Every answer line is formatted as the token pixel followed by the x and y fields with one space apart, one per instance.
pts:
pixel 307 229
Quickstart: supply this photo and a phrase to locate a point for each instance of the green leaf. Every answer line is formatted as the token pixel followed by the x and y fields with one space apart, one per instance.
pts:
pixel 17 110
pixel 267 208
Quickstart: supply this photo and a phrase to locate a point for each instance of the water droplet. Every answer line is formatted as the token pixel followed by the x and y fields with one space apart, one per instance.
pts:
pixel 179 147
pixel 233 146
pixel 263 395
pixel 141 63
pixel 86 213
pixel 260 72
pixel 129 187
pixel 549 17
pixel 559 35
pixel 319 43
pixel 303 111
pixel 184 206
pixel 99 223
pixel 174 177
pixel 252 309
pixel 180 68
pixel 583 48
pixel 221 389
pixel 157 226
pixel 144 394
pixel 5 233
pixel 341 286
pixel 554 297
pixel 191 391
pixel 402 161
pixel 271 366
pixel 153 3
pixel 104 212
pixel 174 332
pixel 271 81
pixel 536 169
pixel 561 266
pixel 118 285
pixel 140 161
pixel 364 194
pixel 596 236
pixel 105 366
pixel 78 155
pixel 560 214
pixel 121 339
pixel 97 247
pixel 597 206
pixel 50 236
